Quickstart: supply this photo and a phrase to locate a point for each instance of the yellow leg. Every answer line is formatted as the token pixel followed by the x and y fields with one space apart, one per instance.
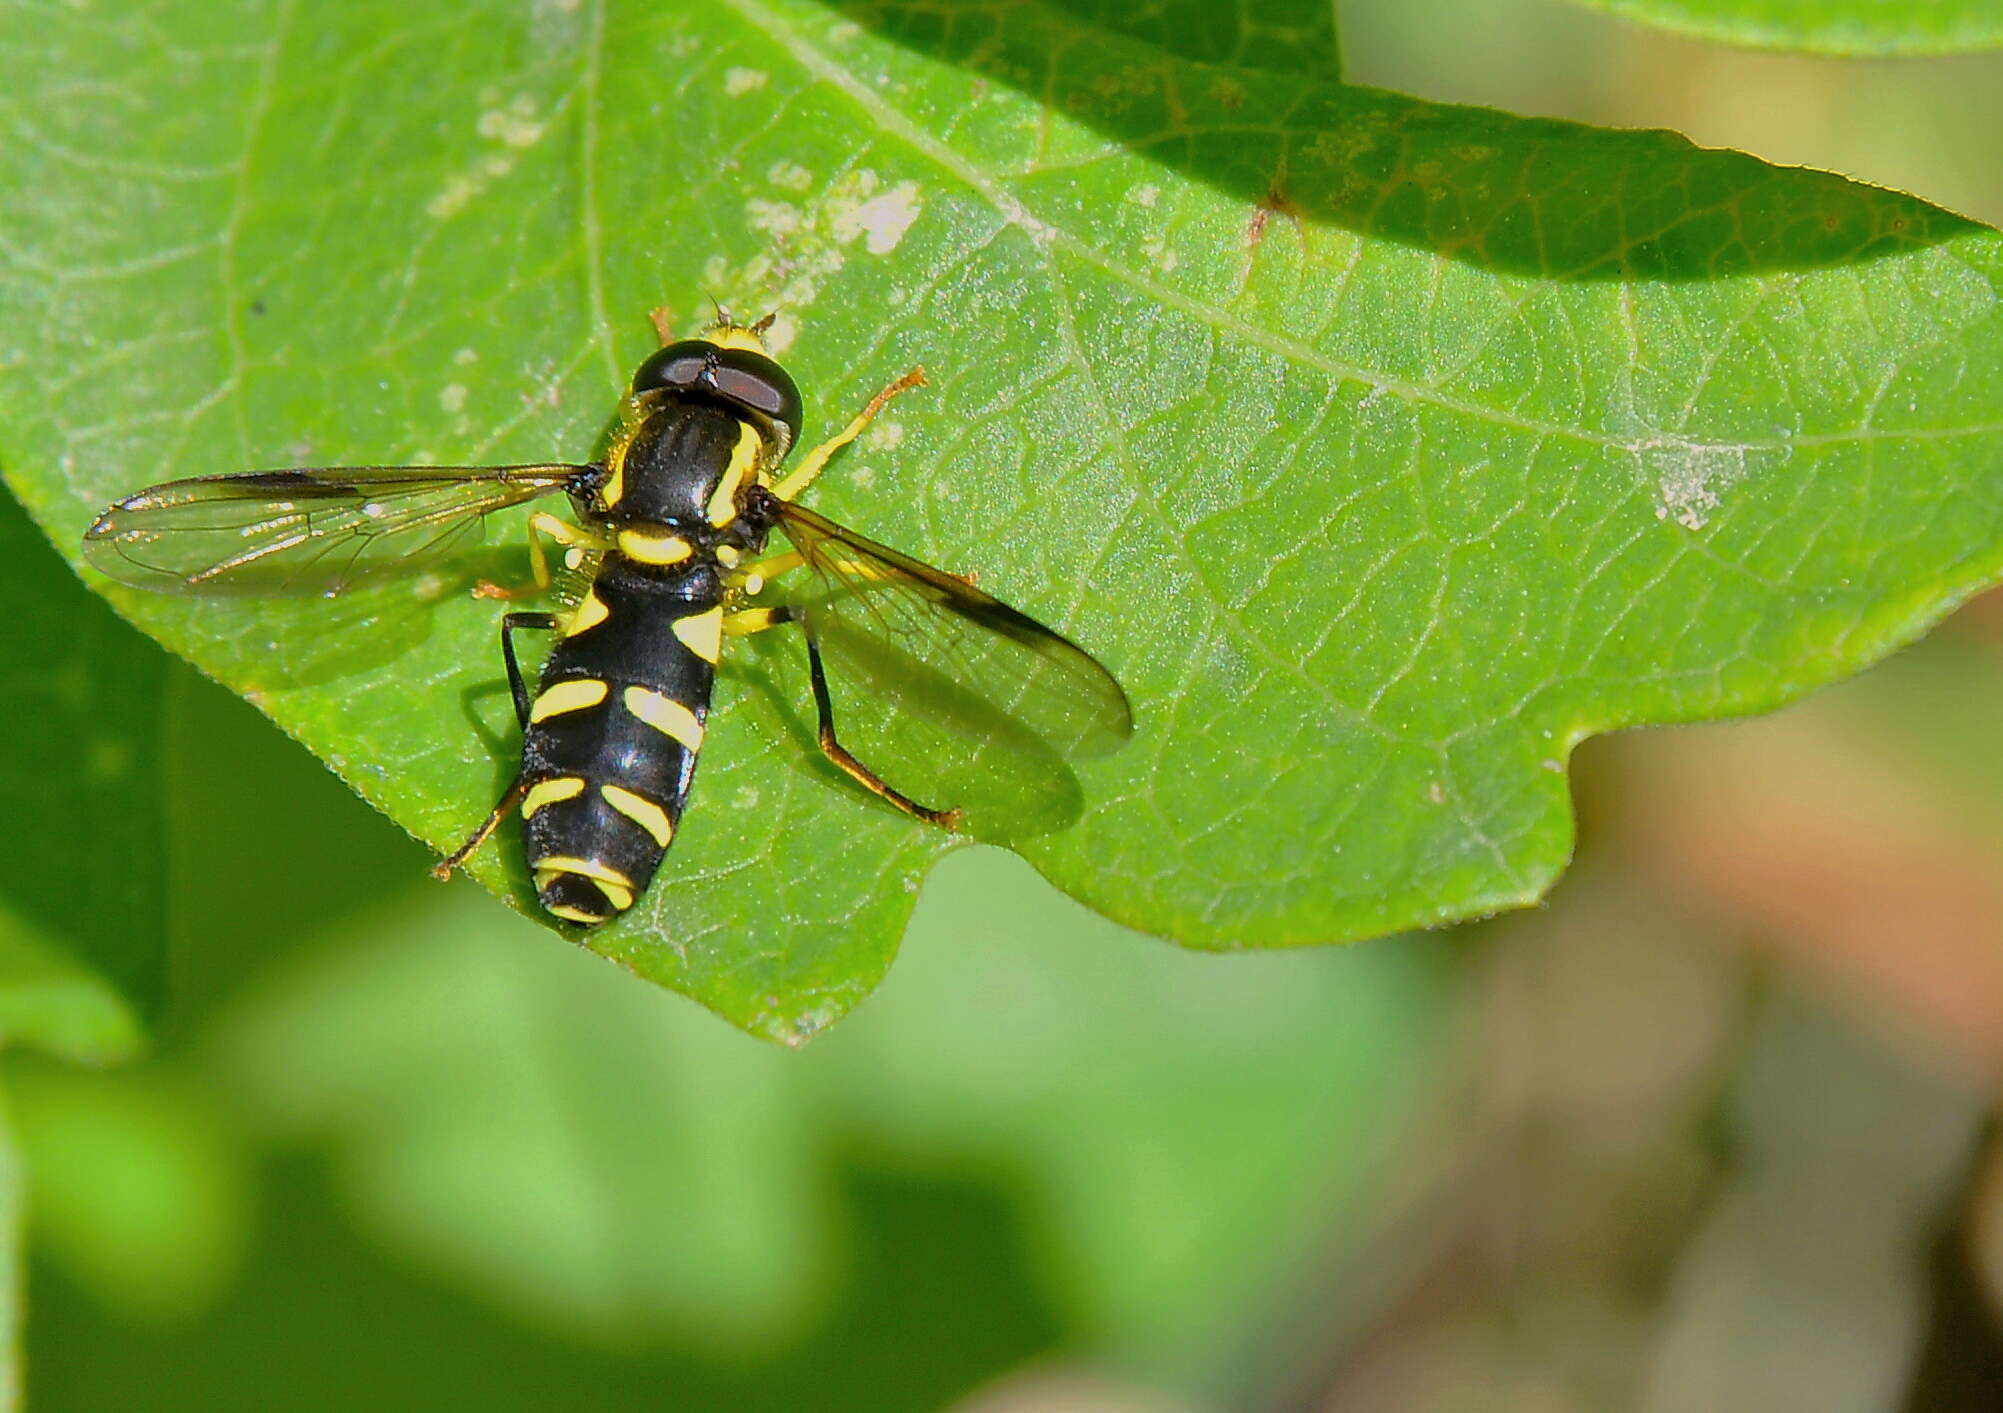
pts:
pixel 753 577
pixel 817 459
pixel 564 533
pixel 756 620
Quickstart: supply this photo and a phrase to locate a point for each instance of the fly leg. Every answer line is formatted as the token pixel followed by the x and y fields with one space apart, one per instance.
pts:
pixel 757 620
pixel 835 751
pixel 574 538
pixel 750 579
pixel 442 870
pixel 511 623
pixel 803 475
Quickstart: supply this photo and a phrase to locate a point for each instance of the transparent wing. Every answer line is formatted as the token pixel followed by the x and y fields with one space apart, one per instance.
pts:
pixel 321 530
pixel 935 646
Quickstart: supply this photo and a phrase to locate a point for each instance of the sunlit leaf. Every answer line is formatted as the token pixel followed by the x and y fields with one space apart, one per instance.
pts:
pixel 1384 450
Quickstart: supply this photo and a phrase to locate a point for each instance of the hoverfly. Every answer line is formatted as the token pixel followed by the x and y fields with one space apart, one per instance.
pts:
pixel 669 538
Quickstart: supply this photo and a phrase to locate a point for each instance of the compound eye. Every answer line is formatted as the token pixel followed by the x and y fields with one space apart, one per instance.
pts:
pixel 756 382
pixel 679 365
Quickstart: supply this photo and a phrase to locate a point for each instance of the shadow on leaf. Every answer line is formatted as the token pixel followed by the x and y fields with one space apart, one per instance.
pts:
pixel 1516 195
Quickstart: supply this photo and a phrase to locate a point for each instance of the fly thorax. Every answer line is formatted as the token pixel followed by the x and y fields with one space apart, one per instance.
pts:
pixel 688 463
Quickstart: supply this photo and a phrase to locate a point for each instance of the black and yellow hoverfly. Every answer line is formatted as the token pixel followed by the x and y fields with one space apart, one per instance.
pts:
pixel 664 553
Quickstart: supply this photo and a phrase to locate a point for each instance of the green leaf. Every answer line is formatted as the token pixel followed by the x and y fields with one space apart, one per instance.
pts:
pixel 1825 26
pixel 1385 450
pixel 82 877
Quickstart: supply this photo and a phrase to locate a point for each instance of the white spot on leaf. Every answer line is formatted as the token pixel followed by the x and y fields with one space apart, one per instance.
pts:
pixel 515 127
pixel 779 335
pixel 460 188
pixel 777 219
pixel 808 240
pixel 789 176
pixel 738 82
pixel 1689 476
pixel 881 220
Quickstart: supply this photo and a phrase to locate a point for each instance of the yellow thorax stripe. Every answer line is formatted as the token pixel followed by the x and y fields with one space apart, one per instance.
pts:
pixel 722 507
pixel 614 489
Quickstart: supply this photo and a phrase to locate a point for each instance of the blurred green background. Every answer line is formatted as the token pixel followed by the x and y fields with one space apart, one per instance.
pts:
pixel 1708 1131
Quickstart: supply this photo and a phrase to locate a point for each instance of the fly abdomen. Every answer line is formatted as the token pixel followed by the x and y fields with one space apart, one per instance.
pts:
pixel 613 734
